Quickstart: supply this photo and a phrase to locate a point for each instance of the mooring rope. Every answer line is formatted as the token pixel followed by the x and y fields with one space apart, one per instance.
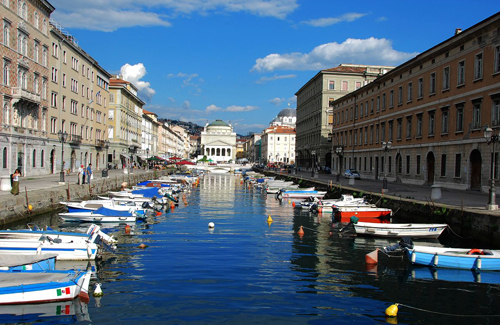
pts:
pixel 451 230
pixel 446 314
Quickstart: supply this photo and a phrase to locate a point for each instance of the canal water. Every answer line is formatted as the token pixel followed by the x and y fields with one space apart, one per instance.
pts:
pixel 248 271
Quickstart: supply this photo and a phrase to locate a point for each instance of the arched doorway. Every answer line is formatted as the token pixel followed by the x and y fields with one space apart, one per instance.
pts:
pixel 328 160
pixel 475 170
pixel 52 161
pixel 431 162
pixel 376 167
pixel 85 162
pixel 73 160
pixel 97 161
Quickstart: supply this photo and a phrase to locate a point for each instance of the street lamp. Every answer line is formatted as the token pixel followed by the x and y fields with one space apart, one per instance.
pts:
pixel 339 151
pixel 106 145
pixel 62 137
pixel 313 153
pixel 386 146
pixel 147 157
pixel 492 139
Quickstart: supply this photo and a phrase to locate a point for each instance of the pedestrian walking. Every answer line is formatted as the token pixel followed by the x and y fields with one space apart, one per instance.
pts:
pixel 15 182
pixel 81 177
pixel 88 173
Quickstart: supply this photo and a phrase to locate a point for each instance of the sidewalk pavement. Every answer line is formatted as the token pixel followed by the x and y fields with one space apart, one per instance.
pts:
pixel 34 183
pixel 461 199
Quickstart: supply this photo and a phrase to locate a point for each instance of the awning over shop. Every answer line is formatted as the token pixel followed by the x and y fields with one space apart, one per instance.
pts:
pixel 124 156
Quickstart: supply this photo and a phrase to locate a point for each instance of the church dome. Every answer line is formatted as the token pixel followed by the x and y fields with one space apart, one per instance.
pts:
pixel 288 112
pixel 218 123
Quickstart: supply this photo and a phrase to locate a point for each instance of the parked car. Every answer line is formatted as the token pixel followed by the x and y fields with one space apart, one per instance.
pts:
pixel 352 173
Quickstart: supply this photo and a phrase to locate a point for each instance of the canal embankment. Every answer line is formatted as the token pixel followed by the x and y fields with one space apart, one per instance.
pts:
pixel 464 211
pixel 42 194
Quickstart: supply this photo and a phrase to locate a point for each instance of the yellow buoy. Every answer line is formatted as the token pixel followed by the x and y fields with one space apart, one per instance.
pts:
pixel 30 207
pixel 269 219
pixel 289 201
pixel 392 310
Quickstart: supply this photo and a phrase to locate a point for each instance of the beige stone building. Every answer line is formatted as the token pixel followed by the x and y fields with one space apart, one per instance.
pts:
pixel 125 126
pixel 432 111
pixel 78 106
pixel 314 101
pixel 24 46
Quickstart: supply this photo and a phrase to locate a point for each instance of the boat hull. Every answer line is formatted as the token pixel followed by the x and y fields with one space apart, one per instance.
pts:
pixel 453 258
pixel 399 230
pixel 39 287
pixel 64 251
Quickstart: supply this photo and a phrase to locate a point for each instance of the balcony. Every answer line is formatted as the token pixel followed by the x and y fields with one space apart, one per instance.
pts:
pixel 100 143
pixel 75 139
pixel 22 94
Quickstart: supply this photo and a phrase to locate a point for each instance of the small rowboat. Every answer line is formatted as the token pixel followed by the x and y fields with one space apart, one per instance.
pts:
pixel 414 230
pixel 455 258
pixel 362 213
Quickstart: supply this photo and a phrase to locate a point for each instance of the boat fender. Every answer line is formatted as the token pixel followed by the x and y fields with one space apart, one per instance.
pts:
pixel 354 219
pixel 478 263
pixel 89 251
pixel 475 251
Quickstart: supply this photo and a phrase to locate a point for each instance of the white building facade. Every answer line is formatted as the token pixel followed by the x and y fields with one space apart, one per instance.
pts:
pixel 218 142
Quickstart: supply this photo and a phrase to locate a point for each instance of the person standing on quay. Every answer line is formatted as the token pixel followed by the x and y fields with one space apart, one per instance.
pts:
pixel 89 173
pixel 15 182
pixel 81 173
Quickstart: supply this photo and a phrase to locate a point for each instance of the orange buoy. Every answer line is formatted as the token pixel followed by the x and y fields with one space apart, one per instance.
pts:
pixel 320 210
pixel 142 246
pixel 293 204
pixel 372 258
pixel 300 232
pixel 172 205
pixel 127 229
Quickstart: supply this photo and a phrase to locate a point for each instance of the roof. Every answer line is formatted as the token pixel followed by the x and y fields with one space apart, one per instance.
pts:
pixel 280 129
pixel 218 123
pixel 347 69
pixel 288 112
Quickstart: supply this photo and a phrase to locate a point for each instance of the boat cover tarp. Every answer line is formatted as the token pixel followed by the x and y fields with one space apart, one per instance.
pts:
pixel 145 183
pixel 8 260
pixel 113 213
pixel 148 192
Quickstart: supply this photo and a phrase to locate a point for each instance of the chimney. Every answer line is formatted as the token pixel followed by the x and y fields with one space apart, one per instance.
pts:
pixel 458 31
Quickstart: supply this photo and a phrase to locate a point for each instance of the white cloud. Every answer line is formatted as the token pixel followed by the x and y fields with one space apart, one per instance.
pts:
pixel 275 77
pixel 113 14
pixel 133 74
pixel 186 104
pixel 233 108
pixel 362 51
pixel 324 22
pixel 187 80
pixel 277 101
pixel 212 108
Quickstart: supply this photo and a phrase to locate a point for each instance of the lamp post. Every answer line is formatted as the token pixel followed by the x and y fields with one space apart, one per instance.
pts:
pixel 147 157
pixel 63 136
pixel 313 153
pixel 339 150
pixel 386 146
pixel 492 139
pixel 106 145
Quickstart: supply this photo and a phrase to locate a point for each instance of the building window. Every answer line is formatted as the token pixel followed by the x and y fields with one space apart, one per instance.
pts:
pixel 476 114
pixel 391 98
pixel 34 158
pixel 400 95
pixel 358 84
pixel 399 129
pixel 6 72
pixel 371 106
pixel 417 171
pixel 461 73
pixel 410 92
pixel 53 100
pixel 383 101
pixel 460 118
pixel 6 33
pixel 391 130
pixel 458 162
pixel 378 104
pixel 53 125
pixel 496 67
pixel 495 112
pixel 478 66
pixel 444 120
pixel 419 125
pixel 446 78
pixel 331 85
pixel 382 126
pixel 420 88
pixel 407 165
pixel 432 84
pixel 345 86
pixel 408 128
pixel 432 120
pixel 443 165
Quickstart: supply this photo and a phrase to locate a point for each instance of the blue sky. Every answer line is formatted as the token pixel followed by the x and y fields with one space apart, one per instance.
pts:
pixel 243 60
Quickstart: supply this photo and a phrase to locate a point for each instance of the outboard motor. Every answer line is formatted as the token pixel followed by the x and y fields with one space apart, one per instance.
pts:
pixel 279 195
pixel 404 243
pixel 146 205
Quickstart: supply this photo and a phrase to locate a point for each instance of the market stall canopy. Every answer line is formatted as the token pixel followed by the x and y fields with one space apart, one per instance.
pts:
pixel 174 158
pixel 155 158
pixel 185 162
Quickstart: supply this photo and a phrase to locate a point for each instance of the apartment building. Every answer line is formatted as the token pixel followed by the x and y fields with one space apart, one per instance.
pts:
pixel 278 145
pixel 423 122
pixel 314 102
pixel 78 106
pixel 24 48
pixel 125 122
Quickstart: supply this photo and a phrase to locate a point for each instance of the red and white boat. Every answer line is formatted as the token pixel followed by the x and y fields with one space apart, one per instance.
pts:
pixel 362 213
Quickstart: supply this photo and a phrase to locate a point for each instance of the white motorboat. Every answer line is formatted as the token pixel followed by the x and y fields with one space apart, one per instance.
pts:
pixel 75 250
pixel 100 215
pixel 413 230
pixel 299 194
pixel 315 204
